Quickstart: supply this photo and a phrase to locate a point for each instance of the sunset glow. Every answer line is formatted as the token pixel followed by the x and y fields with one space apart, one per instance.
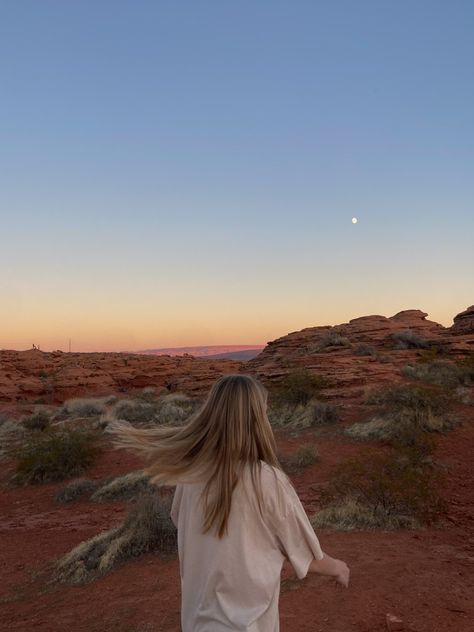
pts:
pixel 173 180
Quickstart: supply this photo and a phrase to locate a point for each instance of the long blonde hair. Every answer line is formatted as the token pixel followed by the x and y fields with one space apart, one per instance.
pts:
pixel 230 431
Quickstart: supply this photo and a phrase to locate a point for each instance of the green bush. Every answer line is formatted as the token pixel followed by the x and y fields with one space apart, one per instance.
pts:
pixel 299 386
pixel 147 527
pixel 55 454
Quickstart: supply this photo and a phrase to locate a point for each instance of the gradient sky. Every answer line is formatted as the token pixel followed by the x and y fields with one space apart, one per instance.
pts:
pixel 185 172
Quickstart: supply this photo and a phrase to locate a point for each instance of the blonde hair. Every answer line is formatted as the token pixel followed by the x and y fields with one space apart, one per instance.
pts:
pixel 230 431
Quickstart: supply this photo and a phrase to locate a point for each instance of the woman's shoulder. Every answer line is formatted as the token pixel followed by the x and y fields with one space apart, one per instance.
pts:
pixel 272 476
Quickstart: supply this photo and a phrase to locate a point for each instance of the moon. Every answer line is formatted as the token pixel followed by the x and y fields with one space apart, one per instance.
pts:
pixel 354 220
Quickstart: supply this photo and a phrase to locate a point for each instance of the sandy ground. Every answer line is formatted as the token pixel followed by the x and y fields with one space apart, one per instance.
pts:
pixel 425 577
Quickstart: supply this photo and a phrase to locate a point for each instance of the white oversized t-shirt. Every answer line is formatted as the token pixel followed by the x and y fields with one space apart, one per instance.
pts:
pixel 233 583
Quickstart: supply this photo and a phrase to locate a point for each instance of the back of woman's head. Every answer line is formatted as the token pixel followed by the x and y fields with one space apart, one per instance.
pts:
pixel 235 422
pixel 229 432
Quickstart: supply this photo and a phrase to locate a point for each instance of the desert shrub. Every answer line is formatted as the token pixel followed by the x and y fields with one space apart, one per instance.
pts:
pixel 410 396
pixel 349 514
pixel 437 372
pixel 123 487
pixel 136 411
pixel 148 394
pixel 177 407
pixel 147 527
pixel 11 435
pixel 409 339
pixel 84 406
pixel 75 489
pixel 39 420
pixel 299 386
pixel 434 352
pixel 298 416
pixel 55 454
pixel 364 350
pixel 173 408
pixel 332 339
pixel 323 413
pixel 382 490
pixel 407 412
pixel 299 460
pixel 466 366
pixel 464 395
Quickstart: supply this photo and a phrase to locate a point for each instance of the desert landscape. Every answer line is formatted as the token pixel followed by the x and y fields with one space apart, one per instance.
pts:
pixel 374 425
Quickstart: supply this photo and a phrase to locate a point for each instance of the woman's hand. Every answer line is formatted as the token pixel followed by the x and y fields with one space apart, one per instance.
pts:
pixel 331 566
pixel 343 573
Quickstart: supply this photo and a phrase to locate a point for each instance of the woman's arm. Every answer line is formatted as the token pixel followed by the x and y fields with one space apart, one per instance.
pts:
pixel 331 566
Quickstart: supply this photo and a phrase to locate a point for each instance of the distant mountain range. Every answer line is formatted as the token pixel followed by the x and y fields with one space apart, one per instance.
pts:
pixel 211 352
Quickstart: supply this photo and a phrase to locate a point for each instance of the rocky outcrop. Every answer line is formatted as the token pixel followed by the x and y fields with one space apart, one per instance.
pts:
pixel 464 323
pixel 39 377
pixel 363 352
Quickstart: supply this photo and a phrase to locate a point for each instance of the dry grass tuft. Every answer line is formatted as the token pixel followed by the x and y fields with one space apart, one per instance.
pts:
pixel 332 339
pixel 406 411
pixel 39 420
pixel 11 436
pixel 314 413
pixel 84 407
pixel 173 408
pixel 124 487
pixel 299 460
pixel 147 527
pixel 76 489
pixel 440 373
pixel 55 454
pixel 399 489
pixel 409 339
pixel 365 350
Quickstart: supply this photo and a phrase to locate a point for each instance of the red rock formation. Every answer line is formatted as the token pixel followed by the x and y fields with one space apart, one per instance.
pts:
pixel 464 323
pixel 348 372
pixel 37 376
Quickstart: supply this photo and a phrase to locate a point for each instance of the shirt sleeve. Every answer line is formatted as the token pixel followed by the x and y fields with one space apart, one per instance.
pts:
pixel 174 512
pixel 296 537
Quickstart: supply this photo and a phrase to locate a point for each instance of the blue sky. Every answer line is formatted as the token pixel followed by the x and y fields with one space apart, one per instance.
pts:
pixel 177 173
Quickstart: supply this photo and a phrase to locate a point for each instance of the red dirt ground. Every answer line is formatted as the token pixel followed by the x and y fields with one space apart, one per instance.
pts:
pixel 424 576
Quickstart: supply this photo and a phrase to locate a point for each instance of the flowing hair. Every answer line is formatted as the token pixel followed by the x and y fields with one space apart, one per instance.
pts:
pixel 230 431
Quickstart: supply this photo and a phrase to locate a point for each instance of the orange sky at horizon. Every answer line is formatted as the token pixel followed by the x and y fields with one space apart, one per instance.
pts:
pixel 93 329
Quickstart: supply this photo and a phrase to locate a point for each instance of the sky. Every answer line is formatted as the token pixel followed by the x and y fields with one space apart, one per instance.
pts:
pixel 185 172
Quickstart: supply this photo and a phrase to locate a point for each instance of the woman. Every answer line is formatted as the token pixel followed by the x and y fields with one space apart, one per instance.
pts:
pixel 237 514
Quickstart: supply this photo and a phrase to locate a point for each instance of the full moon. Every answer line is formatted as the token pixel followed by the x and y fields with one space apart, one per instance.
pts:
pixel 354 220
